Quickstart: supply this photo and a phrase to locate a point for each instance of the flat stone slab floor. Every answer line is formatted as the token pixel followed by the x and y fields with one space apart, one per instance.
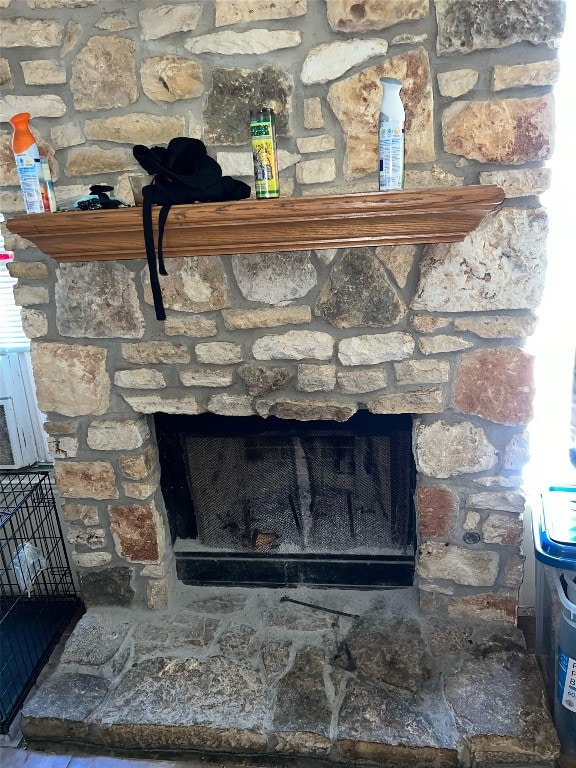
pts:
pixel 248 673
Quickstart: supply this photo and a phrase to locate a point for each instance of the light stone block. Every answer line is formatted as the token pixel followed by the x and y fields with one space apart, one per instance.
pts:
pixel 239 319
pixel 157 404
pixel 317 171
pixel 140 378
pixel 375 348
pixel 422 371
pixel 444 449
pixel 464 566
pixel 294 345
pixel 253 41
pixel 219 352
pixel 316 378
pixel 231 405
pixel 115 435
pixel 418 401
pixel 330 61
pixel 357 382
pixel 433 345
pixel 207 378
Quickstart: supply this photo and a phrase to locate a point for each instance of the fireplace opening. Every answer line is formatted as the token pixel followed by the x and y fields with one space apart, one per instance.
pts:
pixel 279 503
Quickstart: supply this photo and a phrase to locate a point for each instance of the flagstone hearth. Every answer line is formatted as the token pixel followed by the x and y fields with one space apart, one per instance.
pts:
pixel 242 672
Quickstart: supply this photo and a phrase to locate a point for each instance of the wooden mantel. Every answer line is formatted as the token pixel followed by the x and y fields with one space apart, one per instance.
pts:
pixel 445 214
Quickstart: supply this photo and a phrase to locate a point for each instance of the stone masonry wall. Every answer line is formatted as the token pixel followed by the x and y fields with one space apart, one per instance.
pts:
pixel 436 331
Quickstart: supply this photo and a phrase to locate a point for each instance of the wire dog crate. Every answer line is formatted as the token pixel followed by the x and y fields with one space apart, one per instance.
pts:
pixel 38 597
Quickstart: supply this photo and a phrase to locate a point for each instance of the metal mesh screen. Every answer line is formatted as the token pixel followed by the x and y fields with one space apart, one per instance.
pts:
pixel 318 492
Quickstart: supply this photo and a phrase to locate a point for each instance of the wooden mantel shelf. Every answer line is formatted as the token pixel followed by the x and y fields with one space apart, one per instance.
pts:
pixel 445 215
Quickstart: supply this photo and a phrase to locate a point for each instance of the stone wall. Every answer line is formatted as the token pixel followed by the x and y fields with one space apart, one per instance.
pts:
pixel 435 331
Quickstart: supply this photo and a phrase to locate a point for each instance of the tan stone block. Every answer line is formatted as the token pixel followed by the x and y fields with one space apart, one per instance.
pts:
pixel 103 75
pixel 68 135
pixel 329 61
pixel 272 278
pixel 168 19
pixel 486 606
pixel 43 72
pixel 26 295
pixel 140 378
pixel 72 34
pixel 154 352
pixel 192 285
pixel 85 512
pixel 521 130
pixel 30 33
pixel 71 379
pixel 231 405
pixel 506 530
pixel 85 161
pixel 139 466
pixel 171 78
pixel 504 501
pixel 93 538
pixel 91 559
pixel 252 41
pixel 359 381
pixel 59 427
pixel 265 317
pixel 422 371
pixel 190 326
pixel 398 259
pixel 429 324
pixel 28 270
pixel 518 75
pixel 493 327
pixel 135 128
pixel 115 21
pixel 471 521
pixel 117 435
pixel 158 592
pixel 6 81
pixel 344 16
pixel 519 182
pixel 443 449
pixel 457 83
pixel 419 401
pixel 219 352
pixel 323 143
pixel 316 378
pixel 496 384
pixel 375 348
pixel 433 345
pixel 85 479
pixel 356 104
pixel 137 533
pixel 157 404
pixel 437 507
pixel 206 378
pixel 514 571
pixel 313 118
pixel 316 171
pixel 294 345
pixel 142 490
pixel 234 11
pixel 471 567
pixel 34 323
pixel 63 447
pixel 500 265
pixel 311 410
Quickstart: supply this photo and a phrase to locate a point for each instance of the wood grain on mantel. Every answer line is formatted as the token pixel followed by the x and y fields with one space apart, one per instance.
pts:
pixel 445 215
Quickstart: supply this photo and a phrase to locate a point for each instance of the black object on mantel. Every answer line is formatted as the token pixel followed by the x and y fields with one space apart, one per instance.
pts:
pixel 183 173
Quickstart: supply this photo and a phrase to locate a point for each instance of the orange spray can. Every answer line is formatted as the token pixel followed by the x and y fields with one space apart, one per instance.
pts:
pixel 28 164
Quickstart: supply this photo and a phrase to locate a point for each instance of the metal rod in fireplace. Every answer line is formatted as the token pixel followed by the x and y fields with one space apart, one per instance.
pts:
pixel 286 599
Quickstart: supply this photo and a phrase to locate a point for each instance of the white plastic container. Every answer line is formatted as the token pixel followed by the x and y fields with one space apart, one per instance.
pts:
pixel 391 135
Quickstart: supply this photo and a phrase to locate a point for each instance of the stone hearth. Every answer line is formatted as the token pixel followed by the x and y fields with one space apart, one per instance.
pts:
pixel 239 672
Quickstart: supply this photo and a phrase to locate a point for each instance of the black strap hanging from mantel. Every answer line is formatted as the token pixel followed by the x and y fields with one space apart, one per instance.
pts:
pixel 151 252
pixel 183 173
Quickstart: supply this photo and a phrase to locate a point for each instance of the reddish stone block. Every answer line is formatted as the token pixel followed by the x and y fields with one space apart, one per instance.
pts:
pixel 437 506
pixel 134 531
pixel 496 384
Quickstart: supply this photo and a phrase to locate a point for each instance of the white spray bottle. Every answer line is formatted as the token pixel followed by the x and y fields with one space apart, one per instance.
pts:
pixel 391 135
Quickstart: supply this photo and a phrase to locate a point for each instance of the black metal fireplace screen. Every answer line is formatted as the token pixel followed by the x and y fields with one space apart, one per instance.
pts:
pixel 274 502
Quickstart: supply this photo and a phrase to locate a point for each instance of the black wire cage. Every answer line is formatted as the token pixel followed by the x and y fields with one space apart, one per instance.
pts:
pixel 38 598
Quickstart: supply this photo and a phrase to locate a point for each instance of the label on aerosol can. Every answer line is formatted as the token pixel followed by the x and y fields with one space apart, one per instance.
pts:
pixel 566 680
pixel 263 135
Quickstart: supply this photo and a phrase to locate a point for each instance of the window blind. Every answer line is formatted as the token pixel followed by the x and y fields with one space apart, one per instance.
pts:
pixel 12 335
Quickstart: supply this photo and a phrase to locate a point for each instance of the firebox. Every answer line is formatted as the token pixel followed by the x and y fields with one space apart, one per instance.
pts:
pixel 279 503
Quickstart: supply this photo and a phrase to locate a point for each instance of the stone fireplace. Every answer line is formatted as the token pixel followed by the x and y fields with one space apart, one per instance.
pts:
pixel 313 334
pixel 434 332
